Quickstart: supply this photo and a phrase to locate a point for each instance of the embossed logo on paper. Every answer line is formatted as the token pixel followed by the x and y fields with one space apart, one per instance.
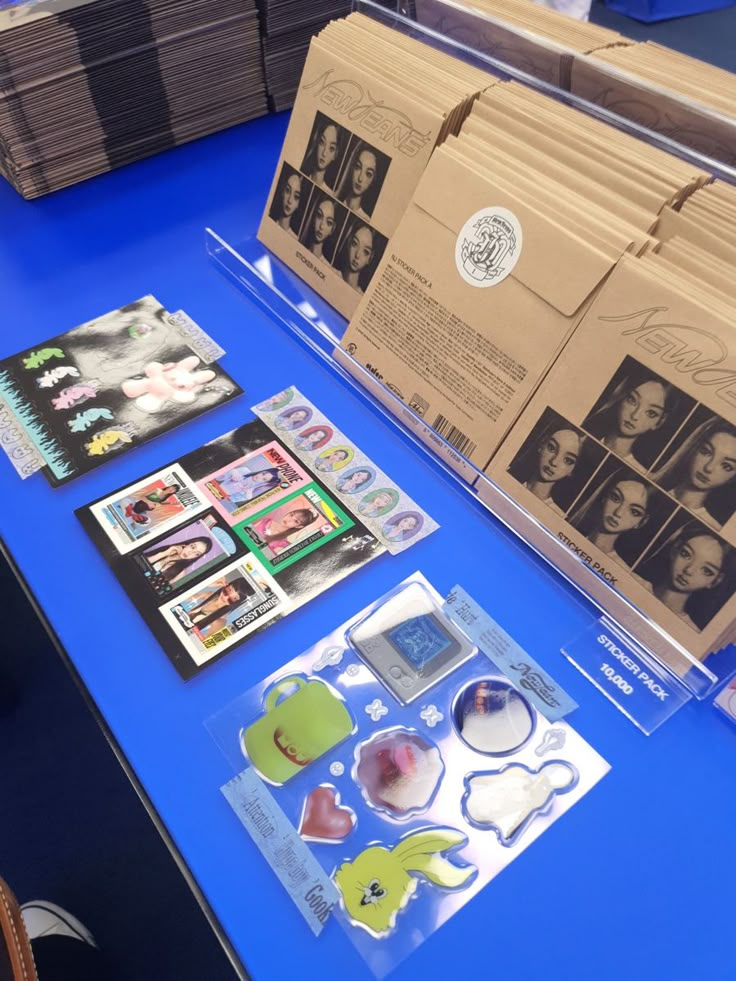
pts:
pixel 348 98
pixel 488 247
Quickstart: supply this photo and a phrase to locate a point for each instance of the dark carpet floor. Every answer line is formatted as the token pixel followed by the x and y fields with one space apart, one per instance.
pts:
pixel 72 829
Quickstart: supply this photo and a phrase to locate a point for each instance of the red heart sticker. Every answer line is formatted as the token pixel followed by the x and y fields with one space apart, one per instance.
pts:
pixel 323 818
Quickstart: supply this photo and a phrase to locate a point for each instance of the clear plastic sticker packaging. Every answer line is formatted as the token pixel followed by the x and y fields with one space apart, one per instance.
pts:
pixel 409 765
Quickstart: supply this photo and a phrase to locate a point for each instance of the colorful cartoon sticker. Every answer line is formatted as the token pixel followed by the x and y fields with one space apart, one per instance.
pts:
pixel 507 800
pixel 379 883
pixel 38 358
pixel 324 818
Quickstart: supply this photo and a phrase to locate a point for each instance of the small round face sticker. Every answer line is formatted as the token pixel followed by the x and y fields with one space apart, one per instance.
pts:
pixel 293 418
pixel 277 401
pixel 355 480
pixel 488 247
pixel 334 458
pixel 379 502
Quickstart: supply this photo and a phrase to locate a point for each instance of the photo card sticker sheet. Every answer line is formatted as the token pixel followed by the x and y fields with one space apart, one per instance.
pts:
pixel 397 755
pixel 392 516
pixel 71 402
pixel 233 536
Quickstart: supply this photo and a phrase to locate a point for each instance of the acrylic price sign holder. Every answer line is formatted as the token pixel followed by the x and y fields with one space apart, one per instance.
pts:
pixel 638 666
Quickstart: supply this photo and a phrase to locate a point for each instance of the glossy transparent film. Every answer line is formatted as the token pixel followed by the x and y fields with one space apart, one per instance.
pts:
pixel 663 118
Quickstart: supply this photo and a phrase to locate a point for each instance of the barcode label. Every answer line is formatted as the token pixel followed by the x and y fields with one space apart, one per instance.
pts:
pixel 458 440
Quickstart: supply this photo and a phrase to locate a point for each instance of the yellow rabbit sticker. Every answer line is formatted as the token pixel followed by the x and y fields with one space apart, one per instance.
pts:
pixel 378 884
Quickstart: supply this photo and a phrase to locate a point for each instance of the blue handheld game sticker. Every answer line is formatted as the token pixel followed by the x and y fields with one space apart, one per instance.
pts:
pixel 419 640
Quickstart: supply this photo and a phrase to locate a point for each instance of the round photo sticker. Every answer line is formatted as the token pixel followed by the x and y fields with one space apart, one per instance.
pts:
pixel 379 502
pixel 355 480
pixel 277 401
pixel 335 458
pixel 293 418
pixel 314 438
pixel 488 247
pixel 403 526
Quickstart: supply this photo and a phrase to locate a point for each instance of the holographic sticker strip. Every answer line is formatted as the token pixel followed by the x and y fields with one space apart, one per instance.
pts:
pixel 393 517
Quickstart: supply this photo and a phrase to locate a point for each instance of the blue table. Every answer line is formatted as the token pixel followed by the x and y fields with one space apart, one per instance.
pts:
pixel 632 883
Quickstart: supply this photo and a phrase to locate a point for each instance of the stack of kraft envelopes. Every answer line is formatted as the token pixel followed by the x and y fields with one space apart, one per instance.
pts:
pixel 372 106
pixel 663 90
pixel 287 27
pixel 558 304
pixel 90 85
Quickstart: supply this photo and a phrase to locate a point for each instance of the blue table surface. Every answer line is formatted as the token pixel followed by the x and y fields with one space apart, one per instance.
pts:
pixel 632 883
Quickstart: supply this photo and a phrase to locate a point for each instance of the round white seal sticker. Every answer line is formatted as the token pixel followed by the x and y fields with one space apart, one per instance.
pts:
pixel 488 246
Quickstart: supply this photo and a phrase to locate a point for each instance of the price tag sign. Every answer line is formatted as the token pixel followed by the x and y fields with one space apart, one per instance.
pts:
pixel 637 684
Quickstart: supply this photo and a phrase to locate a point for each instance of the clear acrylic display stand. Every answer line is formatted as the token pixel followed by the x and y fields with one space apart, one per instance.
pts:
pixel 645 672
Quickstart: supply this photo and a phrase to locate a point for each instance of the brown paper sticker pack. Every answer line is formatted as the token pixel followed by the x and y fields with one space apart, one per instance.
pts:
pixel 513 228
pixel 371 107
pixel 627 451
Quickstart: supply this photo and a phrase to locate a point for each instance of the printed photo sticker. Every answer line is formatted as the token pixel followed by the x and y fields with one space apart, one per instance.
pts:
pixel 637 414
pixel 293 418
pixel 403 526
pixel 290 200
pixel 325 153
pixel 356 480
pixel 556 461
pixel 698 468
pixel 314 438
pixel 362 176
pixel 277 401
pixel 690 569
pixel 334 458
pixel 294 528
pixel 323 225
pixel 148 508
pixel 620 511
pixel 358 253
pixel 226 608
pixel 189 553
pixel 378 503
pixel 254 481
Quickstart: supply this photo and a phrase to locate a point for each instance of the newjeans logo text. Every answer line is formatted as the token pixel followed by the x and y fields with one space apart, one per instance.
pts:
pixel 691 350
pixel 348 98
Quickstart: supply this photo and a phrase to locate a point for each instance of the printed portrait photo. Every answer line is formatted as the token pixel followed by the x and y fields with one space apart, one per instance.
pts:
pixel 556 461
pixel 620 511
pixel 183 555
pixel 690 569
pixel 323 223
pixel 325 152
pixel 290 200
pixel 293 418
pixel 334 458
pixel 637 414
pixel 277 401
pixel 358 253
pixel 296 527
pixel 145 508
pixel 403 526
pixel 699 466
pixel 314 438
pixel 379 502
pixel 362 176
pixel 357 480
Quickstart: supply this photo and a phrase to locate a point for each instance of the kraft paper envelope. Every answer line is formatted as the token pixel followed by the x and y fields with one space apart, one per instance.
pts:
pixel 468 354
pixel 504 42
pixel 626 450
pixel 664 112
